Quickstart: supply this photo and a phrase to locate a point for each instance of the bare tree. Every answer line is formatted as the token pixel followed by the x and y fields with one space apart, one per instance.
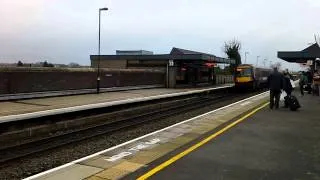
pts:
pixel 46 64
pixel 74 65
pixel 232 50
pixel 19 64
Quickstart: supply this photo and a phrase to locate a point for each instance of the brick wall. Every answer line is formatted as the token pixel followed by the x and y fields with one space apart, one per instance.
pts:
pixel 24 81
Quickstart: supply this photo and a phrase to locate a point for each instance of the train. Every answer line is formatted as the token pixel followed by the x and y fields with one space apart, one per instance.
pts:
pixel 249 77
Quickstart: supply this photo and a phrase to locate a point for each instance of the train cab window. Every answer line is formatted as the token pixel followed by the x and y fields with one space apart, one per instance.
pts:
pixel 244 72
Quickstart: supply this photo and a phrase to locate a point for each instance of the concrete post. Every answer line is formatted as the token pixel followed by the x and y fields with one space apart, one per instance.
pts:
pixel 214 80
pixel 171 74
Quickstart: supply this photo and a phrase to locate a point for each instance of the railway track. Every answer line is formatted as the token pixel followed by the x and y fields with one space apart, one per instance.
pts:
pixel 13 152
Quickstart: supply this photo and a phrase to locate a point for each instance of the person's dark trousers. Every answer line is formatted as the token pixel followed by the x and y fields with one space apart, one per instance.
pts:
pixel 301 89
pixel 274 98
pixel 309 88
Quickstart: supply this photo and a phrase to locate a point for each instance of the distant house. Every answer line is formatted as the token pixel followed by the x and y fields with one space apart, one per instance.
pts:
pixel 8 64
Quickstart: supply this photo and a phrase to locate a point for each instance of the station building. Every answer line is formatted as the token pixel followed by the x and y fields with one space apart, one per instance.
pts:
pixel 181 66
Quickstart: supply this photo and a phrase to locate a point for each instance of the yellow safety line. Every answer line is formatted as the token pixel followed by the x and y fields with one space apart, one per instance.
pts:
pixel 194 147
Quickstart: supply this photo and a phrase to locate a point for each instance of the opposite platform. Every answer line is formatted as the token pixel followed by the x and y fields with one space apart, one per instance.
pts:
pixel 33 108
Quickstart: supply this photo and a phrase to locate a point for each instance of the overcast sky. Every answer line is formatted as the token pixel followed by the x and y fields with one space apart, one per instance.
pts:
pixel 63 31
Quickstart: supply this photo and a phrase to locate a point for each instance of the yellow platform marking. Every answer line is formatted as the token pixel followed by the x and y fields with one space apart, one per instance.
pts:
pixel 199 144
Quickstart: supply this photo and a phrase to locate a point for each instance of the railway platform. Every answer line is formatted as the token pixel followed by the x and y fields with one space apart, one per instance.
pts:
pixel 33 108
pixel 244 140
pixel 269 144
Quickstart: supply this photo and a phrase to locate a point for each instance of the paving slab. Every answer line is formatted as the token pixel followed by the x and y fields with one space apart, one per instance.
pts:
pixel 119 170
pixel 73 172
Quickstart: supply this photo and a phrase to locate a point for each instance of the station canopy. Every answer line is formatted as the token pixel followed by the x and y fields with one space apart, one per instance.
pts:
pixel 310 53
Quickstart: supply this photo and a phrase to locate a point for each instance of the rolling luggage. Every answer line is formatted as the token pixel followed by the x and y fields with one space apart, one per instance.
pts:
pixel 293 103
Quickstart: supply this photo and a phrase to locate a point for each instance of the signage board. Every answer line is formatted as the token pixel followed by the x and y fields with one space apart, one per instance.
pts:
pixel 171 62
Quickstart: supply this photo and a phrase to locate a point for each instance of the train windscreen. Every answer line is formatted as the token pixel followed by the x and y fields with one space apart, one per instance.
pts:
pixel 243 72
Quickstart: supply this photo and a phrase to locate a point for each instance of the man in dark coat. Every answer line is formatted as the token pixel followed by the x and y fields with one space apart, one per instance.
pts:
pixel 275 82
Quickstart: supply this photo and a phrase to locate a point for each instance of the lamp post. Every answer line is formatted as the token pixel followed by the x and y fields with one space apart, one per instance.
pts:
pixel 257 60
pixel 245 57
pixel 264 62
pixel 98 73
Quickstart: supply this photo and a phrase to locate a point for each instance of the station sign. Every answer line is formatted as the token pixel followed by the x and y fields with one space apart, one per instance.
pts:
pixel 171 62
pixel 209 64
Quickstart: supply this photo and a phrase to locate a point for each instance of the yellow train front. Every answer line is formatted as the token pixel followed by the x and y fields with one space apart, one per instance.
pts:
pixel 250 77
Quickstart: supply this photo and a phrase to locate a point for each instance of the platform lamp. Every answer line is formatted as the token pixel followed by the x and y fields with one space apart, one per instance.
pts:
pixel 98 73
pixel 245 57
pixel 264 62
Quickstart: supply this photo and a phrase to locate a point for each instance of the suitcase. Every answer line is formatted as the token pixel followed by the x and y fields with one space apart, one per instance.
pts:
pixel 293 103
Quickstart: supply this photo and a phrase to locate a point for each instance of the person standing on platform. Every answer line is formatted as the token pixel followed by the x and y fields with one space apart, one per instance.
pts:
pixel 316 82
pixel 302 82
pixel 287 87
pixel 287 73
pixel 309 83
pixel 275 82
